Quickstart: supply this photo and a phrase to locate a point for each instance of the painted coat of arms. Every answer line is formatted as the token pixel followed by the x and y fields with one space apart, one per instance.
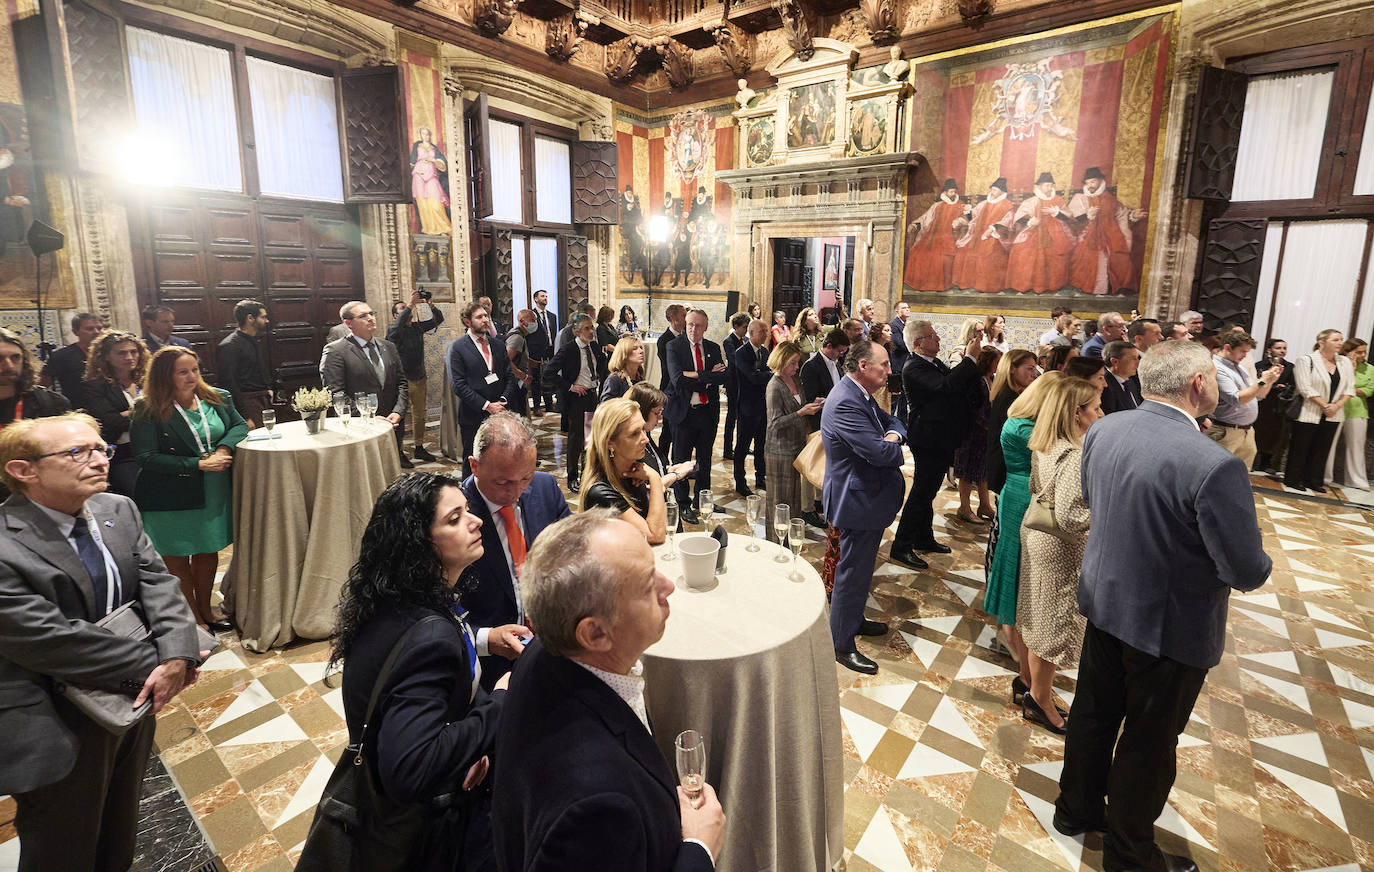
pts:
pixel 1025 98
pixel 690 137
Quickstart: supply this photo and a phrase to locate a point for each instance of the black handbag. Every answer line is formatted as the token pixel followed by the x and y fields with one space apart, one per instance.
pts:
pixel 356 829
pixel 1297 401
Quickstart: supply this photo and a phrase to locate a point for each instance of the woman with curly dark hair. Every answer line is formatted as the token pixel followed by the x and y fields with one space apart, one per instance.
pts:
pixel 115 368
pixel 429 738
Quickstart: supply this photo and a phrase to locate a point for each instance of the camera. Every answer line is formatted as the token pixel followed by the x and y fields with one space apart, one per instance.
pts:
pixel 426 295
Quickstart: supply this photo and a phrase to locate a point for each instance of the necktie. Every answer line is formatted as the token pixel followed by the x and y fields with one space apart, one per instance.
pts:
pixel 591 362
pixel 515 539
pixel 941 365
pixel 375 357
pixel 701 370
pixel 94 562
pixel 486 350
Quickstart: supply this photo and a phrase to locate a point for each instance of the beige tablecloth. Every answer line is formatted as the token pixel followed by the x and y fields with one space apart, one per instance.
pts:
pixel 750 664
pixel 301 504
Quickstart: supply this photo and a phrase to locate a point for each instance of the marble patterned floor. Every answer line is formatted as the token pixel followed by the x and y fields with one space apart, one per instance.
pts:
pixel 1276 770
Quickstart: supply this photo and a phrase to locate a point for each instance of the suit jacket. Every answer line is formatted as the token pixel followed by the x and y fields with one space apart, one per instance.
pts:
pixel 345 368
pixel 581 784
pixel 1116 397
pixel 491 601
pixel 754 375
pixel 729 346
pixel 168 457
pixel 105 401
pixel 467 371
pixel 680 389
pixel 541 340
pixel 900 354
pixel 48 635
pixel 664 340
pixel 1185 505
pixel 863 474
pixel 567 363
pixel 938 404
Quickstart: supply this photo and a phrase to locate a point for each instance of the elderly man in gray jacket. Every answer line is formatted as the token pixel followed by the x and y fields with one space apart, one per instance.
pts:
pixel 71 554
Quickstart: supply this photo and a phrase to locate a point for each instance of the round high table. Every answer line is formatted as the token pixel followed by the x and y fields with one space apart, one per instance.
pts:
pixel 301 504
pixel 750 664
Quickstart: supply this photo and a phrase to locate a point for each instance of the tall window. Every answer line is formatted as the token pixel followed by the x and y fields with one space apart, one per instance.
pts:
pixel 1281 135
pixel 296 125
pixel 507 173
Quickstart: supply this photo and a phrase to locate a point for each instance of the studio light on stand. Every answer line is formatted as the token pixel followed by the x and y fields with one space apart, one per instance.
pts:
pixel 43 239
pixel 660 231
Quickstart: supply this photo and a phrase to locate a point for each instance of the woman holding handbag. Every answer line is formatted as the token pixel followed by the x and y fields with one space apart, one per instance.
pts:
pixel 418 719
pixel 786 433
pixel 1325 381
pixel 183 434
pixel 1054 535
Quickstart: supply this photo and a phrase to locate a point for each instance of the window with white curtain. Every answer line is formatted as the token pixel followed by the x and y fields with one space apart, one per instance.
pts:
pixel 183 95
pixel 1318 279
pixel 544 268
pixel 1281 136
pixel 296 126
pixel 507 183
pixel 519 274
pixel 552 180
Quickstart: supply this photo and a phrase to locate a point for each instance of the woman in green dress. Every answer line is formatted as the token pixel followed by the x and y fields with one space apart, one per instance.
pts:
pixel 1004 578
pixel 183 435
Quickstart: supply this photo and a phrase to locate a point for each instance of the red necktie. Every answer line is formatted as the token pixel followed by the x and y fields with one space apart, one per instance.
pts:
pixel 701 371
pixel 486 351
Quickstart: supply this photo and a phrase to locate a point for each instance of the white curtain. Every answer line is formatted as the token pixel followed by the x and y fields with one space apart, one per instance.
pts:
pixel 506 177
pixel 552 180
pixel 296 126
pixel 1281 136
pixel 520 291
pixel 544 268
pixel 1364 173
pixel 1364 322
pixel 184 103
pixel 1264 293
pixel 1317 284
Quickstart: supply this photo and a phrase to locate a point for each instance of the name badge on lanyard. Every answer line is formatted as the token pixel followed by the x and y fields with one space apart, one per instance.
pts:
pixel 492 378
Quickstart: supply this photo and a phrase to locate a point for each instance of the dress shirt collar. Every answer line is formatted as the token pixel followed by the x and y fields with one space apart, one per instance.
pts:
pixel 1188 417
pixel 362 343
pixel 580 343
pixel 927 358
pixel 867 395
pixel 1119 380
pixel 476 335
pixel 629 688
pixel 64 521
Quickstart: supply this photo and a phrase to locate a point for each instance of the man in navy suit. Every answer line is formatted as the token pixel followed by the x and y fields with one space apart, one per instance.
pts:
pixel 579 782
pixel 739 325
pixel 696 370
pixel 1156 615
pixel 540 347
pixel 515 504
pixel 677 323
pixel 863 490
pixel 900 355
pixel 1123 388
pixel 481 376
pixel 752 375
pixel 580 368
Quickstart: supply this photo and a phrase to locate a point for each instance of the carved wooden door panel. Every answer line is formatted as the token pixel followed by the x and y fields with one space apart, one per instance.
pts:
pixel 99 80
pixel 572 252
pixel 1216 133
pixel 596 182
pixel 500 282
pixel 790 293
pixel 1228 281
pixel 377 155
pixel 475 120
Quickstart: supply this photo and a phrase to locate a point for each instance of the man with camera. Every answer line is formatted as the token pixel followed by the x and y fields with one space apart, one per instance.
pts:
pixel 410 323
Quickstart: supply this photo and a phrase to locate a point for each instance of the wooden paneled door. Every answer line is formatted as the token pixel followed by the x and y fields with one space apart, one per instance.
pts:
pixel 790 291
pixel 201 253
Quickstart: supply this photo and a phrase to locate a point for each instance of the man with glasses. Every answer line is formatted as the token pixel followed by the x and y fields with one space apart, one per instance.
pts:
pixel 360 363
pixel 71 554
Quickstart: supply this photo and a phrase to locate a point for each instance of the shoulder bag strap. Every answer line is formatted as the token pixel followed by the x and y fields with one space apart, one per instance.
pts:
pixel 382 676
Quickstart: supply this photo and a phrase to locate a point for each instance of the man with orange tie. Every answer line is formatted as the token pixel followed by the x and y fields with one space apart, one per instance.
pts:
pixel 480 375
pixel 515 504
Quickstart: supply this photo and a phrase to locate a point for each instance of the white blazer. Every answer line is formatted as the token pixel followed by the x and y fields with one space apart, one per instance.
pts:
pixel 1312 379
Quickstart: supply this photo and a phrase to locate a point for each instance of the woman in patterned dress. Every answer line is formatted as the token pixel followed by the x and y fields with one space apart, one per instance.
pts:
pixel 786 433
pixel 1047 603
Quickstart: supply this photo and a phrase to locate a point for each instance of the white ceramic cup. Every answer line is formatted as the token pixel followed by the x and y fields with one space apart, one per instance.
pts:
pixel 698 560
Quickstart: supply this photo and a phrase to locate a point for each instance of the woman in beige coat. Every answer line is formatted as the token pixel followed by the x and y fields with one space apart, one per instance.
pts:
pixel 1047 603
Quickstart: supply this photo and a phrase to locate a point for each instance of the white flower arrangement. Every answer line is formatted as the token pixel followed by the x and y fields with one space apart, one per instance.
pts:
pixel 312 401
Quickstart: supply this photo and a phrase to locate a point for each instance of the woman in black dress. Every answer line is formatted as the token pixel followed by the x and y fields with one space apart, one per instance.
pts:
pixel 970 458
pixel 1271 427
pixel 115 368
pixel 617 475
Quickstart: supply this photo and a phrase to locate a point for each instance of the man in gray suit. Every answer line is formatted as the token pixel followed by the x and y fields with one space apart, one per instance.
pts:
pixel 70 555
pixel 1157 610
pixel 360 363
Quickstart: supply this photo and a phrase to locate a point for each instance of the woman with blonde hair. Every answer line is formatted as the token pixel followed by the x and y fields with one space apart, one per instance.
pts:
pixel 183 435
pixel 1326 381
pixel 1004 571
pixel 786 433
pixel 1047 603
pixel 115 368
pixel 966 332
pixel 617 477
pixel 626 368
pixel 806 332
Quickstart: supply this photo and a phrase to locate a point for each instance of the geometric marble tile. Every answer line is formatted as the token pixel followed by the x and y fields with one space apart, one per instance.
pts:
pixel 1317 613
pixel 942 624
pixel 1284 660
pixel 1071 847
pixel 250 699
pixel 1304 746
pixel 924 761
pixel 1320 796
pixel 282 728
pixel 894 696
pixel 1294 693
pixel 1328 639
pixel 1359 714
pixel 948 719
pixel 865 733
pixel 307 796
pixel 1349 680
pixel 881 846
pixel 1172 821
pixel 962 591
pixel 925 650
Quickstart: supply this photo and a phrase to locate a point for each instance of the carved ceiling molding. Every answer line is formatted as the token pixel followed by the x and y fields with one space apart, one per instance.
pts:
pixel 493 17
pixel 796 27
pixel 564 37
pixel 622 58
pixel 678 64
pixel 734 45
pixel 325 27
pixel 478 73
pixel 975 13
pixel 880 16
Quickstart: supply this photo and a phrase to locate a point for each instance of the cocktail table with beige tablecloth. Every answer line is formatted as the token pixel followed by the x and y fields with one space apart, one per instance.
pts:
pixel 750 663
pixel 301 504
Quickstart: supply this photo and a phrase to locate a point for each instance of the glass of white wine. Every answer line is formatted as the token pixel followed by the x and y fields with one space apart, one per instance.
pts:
pixel 753 505
pixel 796 537
pixel 341 408
pixel 691 764
pixel 269 420
pixel 706 506
pixel 671 509
pixel 782 516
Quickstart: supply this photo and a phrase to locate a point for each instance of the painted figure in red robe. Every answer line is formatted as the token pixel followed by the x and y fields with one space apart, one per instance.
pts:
pixel 981 261
pixel 1039 258
pixel 1101 263
pixel 930 260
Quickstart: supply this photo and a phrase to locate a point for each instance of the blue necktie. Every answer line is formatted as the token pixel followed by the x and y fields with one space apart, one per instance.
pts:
pixel 94 562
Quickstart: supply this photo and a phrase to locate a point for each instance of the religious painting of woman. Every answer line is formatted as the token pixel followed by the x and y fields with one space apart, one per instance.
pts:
pixel 429 185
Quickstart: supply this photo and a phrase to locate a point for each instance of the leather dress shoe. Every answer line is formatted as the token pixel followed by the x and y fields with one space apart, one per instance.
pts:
pixel 1070 827
pixel 856 661
pixel 223 625
pixel 405 463
pixel 422 454
pixel 575 484
pixel 907 557
pixel 689 515
pixel 872 628
pixel 743 489
pixel 815 520
pixel 932 547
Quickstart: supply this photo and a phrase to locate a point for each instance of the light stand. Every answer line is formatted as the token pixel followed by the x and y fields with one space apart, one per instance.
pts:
pixel 43 239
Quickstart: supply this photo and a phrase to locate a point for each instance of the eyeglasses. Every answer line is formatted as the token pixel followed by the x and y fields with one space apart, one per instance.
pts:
pixel 81 454
pixel 360 315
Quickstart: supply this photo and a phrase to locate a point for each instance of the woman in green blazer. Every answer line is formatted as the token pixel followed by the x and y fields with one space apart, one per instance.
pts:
pixel 183 435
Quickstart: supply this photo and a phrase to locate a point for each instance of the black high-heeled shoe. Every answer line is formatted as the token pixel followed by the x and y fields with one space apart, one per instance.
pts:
pixel 1031 711
pixel 1018 689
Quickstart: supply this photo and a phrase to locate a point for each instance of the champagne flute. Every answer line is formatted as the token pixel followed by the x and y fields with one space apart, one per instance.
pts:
pixel 369 408
pixel 691 764
pixel 341 409
pixel 782 517
pixel 671 509
pixel 753 505
pixel 706 505
pixel 269 420
pixel 796 537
